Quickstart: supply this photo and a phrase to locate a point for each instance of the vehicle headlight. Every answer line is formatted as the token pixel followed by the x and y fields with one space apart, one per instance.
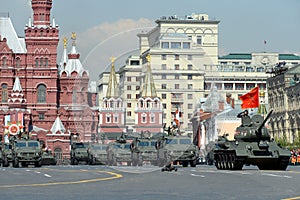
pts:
pixel 19 154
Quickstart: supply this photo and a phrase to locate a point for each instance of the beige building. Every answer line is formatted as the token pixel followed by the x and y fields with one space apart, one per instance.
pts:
pixel 284 98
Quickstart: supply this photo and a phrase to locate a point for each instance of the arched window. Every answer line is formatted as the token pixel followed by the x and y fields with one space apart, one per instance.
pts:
pixel 18 62
pixel 4 62
pixel 41 93
pixel 4 92
pixel 36 62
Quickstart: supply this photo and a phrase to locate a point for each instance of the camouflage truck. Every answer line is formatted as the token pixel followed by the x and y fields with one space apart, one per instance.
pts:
pixel 79 153
pixel 144 149
pixel 119 151
pixel 97 154
pixel 26 152
pixel 177 149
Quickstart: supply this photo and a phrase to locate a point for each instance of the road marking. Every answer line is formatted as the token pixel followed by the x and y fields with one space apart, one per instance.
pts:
pixel 113 176
pixel 47 175
pixel 292 198
pixel 37 172
pixel 276 175
pixel 198 175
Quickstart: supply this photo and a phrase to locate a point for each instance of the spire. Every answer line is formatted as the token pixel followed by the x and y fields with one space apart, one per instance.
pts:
pixel 58 126
pixel 17 95
pixel 64 58
pixel 29 22
pixel 53 22
pixel 112 90
pixel 17 85
pixel 148 89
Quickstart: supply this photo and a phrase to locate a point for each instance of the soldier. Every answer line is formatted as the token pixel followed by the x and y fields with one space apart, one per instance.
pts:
pixel 243 114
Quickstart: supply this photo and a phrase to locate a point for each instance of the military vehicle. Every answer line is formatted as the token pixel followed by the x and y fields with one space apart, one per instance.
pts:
pixel 143 149
pixel 48 158
pixel 6 155
pixel 79 153
pixel 119 151
pixel 97 154
pixel 252 145
pixel 175 149
pixel 26 152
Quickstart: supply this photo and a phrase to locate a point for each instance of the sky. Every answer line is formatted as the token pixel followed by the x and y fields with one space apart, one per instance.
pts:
pixel 107 28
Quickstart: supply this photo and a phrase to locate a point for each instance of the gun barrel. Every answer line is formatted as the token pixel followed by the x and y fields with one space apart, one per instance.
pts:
pixel 263 123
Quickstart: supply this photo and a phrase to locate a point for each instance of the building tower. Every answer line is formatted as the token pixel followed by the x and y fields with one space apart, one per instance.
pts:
pixel 38 71
pixel 148 112
pixel 112 111
pixel 75 112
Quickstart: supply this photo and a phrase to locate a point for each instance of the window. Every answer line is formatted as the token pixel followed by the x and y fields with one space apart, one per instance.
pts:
pixel 74 96
pixel 46 62
pixel 164 57
pixel 163 76
pixel 116 118
pixel 190 77
pixel 137 87
pixel 189 57
pixel 128 105
pixel 199 39
pixel 165 45
pixel 144 119
pixel 175 45
pixel 176 77
pixel 128 96
pixel 128 79
pixel 190 106
pixel 164 106
pixel 41 116
pixel 190 115
pixel 176 86
pixel 186 45
pixel 41 92
pixel 190 96
pixel 176 57
pixel 36 62
pixel 176 67
pixel 137 96
pixel 163 96
pixel 152 118
pixel 164 66
pixel 190 67
pixel 4 62
pixel 4 92
pixel 107 117
pixel 190 86
pixel 129 113
pixel 128 87
pixel 163 86
pixel 18 62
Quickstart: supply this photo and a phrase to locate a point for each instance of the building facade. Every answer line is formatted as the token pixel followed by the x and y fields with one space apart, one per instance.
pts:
pixel 35 92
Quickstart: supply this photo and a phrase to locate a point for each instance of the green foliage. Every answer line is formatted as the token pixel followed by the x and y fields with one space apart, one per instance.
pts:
pixel 284 142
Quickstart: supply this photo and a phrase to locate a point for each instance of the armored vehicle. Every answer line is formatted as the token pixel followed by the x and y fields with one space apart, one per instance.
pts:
pixel 119 151
pixel 97 154
pixel 79 152
pixel 143 149
pixel 252 145
pixel 177 149
pixel 6 155
pixel 26 152
pixel 48 158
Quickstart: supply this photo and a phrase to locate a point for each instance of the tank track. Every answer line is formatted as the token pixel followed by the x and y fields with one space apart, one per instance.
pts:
pixel 228 161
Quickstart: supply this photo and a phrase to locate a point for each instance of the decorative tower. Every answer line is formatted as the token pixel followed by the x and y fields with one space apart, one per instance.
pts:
pixel 39 75
pixel 76 114
pixel 112 112
pixel 149 109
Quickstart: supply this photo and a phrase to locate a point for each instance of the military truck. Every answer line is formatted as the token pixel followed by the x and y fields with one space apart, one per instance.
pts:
pixel 48 158
pixel 6 155
pixel 97 154
pixel 177 148
pixel 79 153
pixel 252 145
pixel 119 151
pixel 143 149
pixel 26 152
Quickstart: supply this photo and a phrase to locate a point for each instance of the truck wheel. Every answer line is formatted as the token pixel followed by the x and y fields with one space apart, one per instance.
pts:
pixel 38 163
pixel 5 162
pixel 15 162
pixel 193 163
pixel 184 163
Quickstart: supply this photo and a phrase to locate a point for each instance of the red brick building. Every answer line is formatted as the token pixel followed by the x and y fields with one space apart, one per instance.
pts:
pixel 38 94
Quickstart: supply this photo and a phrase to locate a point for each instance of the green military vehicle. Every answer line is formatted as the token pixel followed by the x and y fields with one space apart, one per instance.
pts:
pixel 6 155
pixel 118 152
pixel 79 153
pixel 48 158
pixel 97 154
pixel 252 145
pixel 26 152
pixel 143 149
pixel 176 149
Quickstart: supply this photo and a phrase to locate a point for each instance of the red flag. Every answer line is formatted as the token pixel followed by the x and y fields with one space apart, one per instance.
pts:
pixel 250 100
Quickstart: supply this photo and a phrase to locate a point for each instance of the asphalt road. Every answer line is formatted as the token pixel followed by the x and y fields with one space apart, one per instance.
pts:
pixel 147 182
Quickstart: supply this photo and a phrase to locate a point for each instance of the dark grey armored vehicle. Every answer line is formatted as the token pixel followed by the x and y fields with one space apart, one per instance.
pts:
pixel 79 153
pixel 97 154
